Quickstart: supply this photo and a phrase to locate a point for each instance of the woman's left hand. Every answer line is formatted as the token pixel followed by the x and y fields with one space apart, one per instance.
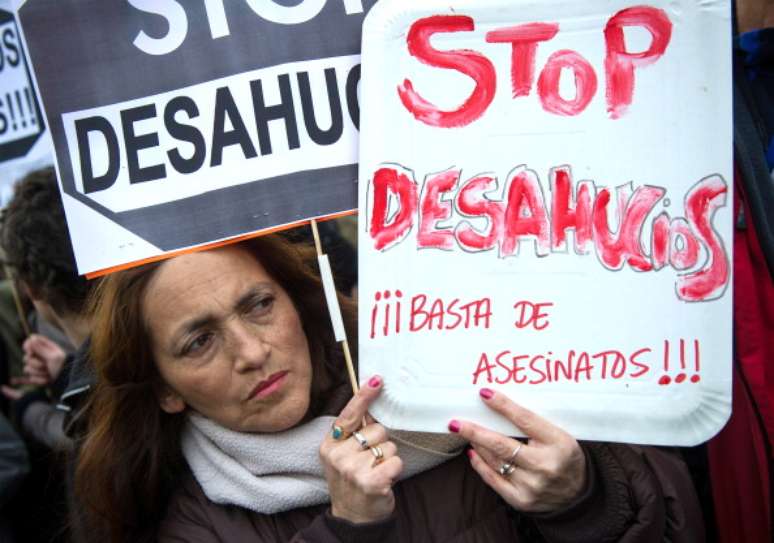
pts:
pixel 547 473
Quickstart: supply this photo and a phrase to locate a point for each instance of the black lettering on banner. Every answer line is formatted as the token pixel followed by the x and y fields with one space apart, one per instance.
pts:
pixel 283 110
pixel 103 126
pixel 225 106
pixel 10 44
pixel 3 123
pixel 134 144
pixel 319 136
pixel 30 106
pixel 184 132
pixel 173 123
pixel 353 79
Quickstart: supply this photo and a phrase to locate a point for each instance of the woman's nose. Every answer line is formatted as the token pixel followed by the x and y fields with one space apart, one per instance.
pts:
pixel 250 350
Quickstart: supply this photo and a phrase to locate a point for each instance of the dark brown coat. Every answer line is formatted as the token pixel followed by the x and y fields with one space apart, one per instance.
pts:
pixel 634 494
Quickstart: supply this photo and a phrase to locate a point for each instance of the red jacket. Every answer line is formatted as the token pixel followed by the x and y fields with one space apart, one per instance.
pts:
pixel 741 456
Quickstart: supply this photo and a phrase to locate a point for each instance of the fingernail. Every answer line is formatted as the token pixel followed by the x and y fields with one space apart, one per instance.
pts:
pixel 486 393
pixel 471 454
pixel 454 426
pixel 375 381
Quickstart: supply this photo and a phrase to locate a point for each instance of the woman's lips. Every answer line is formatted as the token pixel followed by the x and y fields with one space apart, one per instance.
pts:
pixel 268 386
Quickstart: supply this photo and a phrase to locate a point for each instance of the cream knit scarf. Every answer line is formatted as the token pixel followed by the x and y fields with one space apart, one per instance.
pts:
pixel 272 473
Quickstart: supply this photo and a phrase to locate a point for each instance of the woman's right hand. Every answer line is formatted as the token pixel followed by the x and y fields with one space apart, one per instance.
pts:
pixel 360 485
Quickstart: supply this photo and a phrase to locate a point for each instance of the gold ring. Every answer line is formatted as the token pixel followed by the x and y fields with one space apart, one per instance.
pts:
pixel 378 455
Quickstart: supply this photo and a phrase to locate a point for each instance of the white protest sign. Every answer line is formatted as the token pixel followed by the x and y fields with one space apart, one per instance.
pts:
pixel 24 140
pixel 545 209
pixel 177 124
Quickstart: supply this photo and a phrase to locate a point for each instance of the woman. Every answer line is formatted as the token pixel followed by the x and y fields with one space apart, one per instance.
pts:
pixel 223 413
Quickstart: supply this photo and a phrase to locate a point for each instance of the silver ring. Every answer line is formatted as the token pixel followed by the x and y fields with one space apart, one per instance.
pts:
pixel 363 442
pixel 514 454
pixel 506 469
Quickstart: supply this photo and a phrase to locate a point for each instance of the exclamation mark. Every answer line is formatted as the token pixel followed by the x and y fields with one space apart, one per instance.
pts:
pixel 681 376
pixel 21 109
pixel 665 380
pixel 28 95
pixel 398 295
pixel 9 104
pixel 386 328
pixel 377 297
pixel 696 378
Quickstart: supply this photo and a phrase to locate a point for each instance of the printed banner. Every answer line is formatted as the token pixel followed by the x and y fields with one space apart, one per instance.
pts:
pixel 178 123
pixel 545 194
pixel 24 142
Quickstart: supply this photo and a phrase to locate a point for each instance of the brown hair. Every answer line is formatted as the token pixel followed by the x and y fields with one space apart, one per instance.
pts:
pixel 131 461
pixel 36 243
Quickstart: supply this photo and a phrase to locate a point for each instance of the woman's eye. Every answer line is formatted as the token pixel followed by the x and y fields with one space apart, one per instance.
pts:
pixel 198 344
pixel 261 306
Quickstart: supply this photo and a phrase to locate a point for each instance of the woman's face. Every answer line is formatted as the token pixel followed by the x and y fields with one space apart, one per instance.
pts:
pixel 228 341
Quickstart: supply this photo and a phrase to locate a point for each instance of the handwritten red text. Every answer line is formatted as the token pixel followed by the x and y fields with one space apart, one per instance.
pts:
pixel 578 366
pixel 689 244
pixel 524 39
pixel 391 315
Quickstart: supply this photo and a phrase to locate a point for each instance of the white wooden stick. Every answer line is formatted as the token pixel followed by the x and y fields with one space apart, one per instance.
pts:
pixel 333 306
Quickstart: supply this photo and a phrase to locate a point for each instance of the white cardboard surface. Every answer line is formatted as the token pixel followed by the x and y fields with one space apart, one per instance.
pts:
pixel 670 382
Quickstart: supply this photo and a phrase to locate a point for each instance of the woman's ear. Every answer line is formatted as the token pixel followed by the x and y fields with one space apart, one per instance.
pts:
pixel 170 401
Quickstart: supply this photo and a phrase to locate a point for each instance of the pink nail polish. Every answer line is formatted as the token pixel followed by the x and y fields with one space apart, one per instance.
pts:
pixel 454 426
pixel 471 454
pixel 486 393
pixel 375 381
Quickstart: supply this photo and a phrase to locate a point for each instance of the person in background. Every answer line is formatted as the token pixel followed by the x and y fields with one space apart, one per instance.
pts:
pixel 740 459
pixel 37 246
pixel 34 237
pixel 14 466
pixel 11 339
pixel 43 362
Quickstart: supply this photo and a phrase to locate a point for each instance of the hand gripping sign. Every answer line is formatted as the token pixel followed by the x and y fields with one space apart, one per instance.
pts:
pixel 545 195
pixel 180 123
